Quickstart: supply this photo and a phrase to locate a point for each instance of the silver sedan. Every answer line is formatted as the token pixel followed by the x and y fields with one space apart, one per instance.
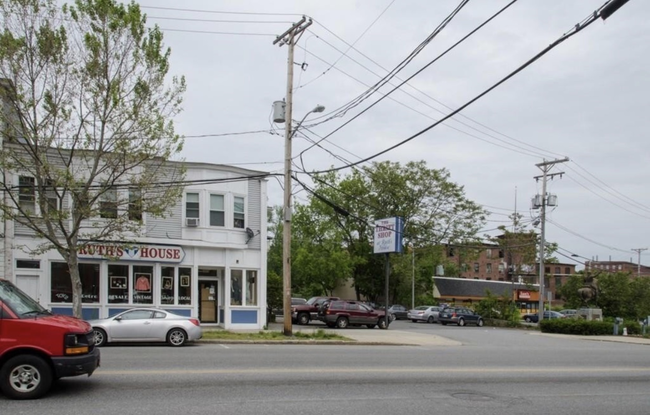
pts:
pixel 428 313
pixel 146 325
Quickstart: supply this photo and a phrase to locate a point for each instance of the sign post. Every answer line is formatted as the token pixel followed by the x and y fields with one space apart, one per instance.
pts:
pixel 388 238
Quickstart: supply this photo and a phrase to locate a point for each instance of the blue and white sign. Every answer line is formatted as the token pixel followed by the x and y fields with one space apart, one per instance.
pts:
pixel 388 235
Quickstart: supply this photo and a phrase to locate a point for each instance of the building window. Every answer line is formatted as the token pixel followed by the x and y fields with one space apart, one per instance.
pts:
pixel 217 212
pixel 51 199
pixel 451 252
pixel 61 284
pixel 118 284
pixel 476 267
pixel 502 268
pixel 26 194
pixel 567 270
pixel 185 286
pixel 488 268
pixel 142 284
pixel 192 205
pixel 547 270
pixel 239 213
pixel 558 282
pixel 108 204
pixel 557 270
pixel 463 267
pixel 236 286
pixel 167 285
pixel 28 264
pixel 488 253
pixel 135 205
pixel 251 287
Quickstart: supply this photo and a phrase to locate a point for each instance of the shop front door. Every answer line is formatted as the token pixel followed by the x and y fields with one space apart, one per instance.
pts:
pixel 209 306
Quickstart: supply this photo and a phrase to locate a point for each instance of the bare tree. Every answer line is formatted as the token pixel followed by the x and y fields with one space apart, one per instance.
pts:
pixel 88 139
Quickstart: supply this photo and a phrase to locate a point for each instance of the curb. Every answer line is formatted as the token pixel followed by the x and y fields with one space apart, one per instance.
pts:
pixel 305 342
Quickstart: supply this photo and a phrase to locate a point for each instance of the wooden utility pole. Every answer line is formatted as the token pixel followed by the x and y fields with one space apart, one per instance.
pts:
pixel 289 38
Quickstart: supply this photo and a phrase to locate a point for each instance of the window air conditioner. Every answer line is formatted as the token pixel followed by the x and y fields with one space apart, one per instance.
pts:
pixel 192 222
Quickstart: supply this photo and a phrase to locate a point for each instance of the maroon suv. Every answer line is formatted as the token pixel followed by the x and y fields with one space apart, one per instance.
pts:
pixel 344 313
pixel 304 313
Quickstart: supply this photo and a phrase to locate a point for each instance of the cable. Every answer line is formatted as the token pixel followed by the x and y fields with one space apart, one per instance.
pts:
pixel 584 237
pixel 563 38
pixel 349 46
pixel 217 12
pixel 216 33
pixel 181 19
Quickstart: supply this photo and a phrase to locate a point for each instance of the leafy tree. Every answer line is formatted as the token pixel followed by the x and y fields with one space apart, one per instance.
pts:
pixel 569 291
pixel 640 297
pixel 435 211
pixel 87 107
pixel 615 295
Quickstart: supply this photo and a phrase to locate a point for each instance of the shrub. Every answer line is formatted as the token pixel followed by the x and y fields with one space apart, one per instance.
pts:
pixel 576 326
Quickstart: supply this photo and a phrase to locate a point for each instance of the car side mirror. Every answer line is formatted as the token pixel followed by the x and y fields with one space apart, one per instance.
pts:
pixel 118 318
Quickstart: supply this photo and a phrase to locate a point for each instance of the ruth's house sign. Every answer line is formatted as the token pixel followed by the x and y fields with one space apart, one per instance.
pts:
pixel 149 253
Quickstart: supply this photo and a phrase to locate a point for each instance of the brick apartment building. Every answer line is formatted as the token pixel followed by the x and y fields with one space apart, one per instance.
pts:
pixel 618 266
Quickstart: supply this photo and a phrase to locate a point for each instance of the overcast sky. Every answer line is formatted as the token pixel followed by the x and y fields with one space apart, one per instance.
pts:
pixel 587 99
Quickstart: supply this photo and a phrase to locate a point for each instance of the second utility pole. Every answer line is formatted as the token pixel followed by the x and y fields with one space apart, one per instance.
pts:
pixel 544 167
pixel 288 38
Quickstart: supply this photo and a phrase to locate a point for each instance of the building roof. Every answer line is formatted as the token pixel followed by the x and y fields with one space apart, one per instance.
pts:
pixel 461 287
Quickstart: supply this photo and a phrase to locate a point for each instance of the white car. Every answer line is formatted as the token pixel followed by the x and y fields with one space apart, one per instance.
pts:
pixel 146 325
pixel 428 313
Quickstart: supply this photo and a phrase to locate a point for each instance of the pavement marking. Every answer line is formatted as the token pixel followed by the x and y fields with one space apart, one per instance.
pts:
pixel 438 370
pixel 224 346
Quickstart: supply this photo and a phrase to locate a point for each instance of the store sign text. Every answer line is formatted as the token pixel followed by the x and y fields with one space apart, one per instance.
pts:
pixel 157 253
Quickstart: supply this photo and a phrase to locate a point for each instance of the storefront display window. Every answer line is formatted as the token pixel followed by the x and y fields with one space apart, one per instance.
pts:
pixel 167 285
pixel 142 285
pixel 251 287
pixel 184 286
pixel 236 286
pixel 118 284
pixel 61 284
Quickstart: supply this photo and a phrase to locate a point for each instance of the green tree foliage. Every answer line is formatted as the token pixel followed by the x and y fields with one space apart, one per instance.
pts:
pixel 502 308
pixel 88 105
pixel 435 211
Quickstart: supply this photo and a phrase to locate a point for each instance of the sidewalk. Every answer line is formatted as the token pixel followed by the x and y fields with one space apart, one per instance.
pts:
pixel 612 338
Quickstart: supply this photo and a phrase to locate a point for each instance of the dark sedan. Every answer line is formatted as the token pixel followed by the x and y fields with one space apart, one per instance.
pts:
pixel 534 318
pixel 460 316
pixel 397 312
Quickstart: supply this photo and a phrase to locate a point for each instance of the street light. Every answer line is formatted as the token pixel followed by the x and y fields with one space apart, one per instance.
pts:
pixel 286 234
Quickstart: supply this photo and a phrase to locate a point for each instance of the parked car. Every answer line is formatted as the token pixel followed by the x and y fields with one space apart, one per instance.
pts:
pixel 460 316
pixel 569 313
pixel 342 313
pixel 534 318
pixel 304 313
pixel 146 325
pixel 397 312
pixel 428 313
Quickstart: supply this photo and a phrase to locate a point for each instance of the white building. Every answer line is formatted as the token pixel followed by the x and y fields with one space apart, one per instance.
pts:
pixel 206 259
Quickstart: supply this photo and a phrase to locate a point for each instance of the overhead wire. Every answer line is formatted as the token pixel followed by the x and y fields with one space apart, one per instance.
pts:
pixel 563 38
pixel 565 229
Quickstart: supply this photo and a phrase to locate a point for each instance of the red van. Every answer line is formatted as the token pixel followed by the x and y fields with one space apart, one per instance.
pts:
pixel 38 347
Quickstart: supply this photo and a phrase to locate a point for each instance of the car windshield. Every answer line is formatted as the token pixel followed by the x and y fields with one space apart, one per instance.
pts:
pixel 313 300
pixel 19 302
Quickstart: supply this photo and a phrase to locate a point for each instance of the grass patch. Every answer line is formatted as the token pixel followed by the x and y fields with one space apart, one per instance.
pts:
pixel 271 335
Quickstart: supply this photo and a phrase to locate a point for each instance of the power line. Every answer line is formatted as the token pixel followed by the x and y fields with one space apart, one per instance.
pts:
pixel 350 46
pixel 217 11
pixel 563 38
pixel 182 19
pixel 565 229
pixel 216 33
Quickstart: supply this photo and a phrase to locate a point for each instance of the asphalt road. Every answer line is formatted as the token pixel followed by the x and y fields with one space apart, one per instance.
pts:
pixel 495 371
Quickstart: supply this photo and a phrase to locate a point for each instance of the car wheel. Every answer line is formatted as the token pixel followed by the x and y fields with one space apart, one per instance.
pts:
pixel 25 377
pixel 176 337
pixel 527 319
pixel 371 326
pixel 342 322
pixel 430 320
pixel 100 337
pixel 461 322
pixel 382 323
pixel 303 319
pixel 480 322
pixel 414 320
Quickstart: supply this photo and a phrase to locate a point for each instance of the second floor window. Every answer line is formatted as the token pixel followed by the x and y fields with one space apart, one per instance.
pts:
pixel 476 267
pixel 108 204
pixel 192 205
pixel 51 199
pixel 488 253
pixel 135 205
pixel 488 268
pixel 239 217
pixel 26 193
pixel 217 214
